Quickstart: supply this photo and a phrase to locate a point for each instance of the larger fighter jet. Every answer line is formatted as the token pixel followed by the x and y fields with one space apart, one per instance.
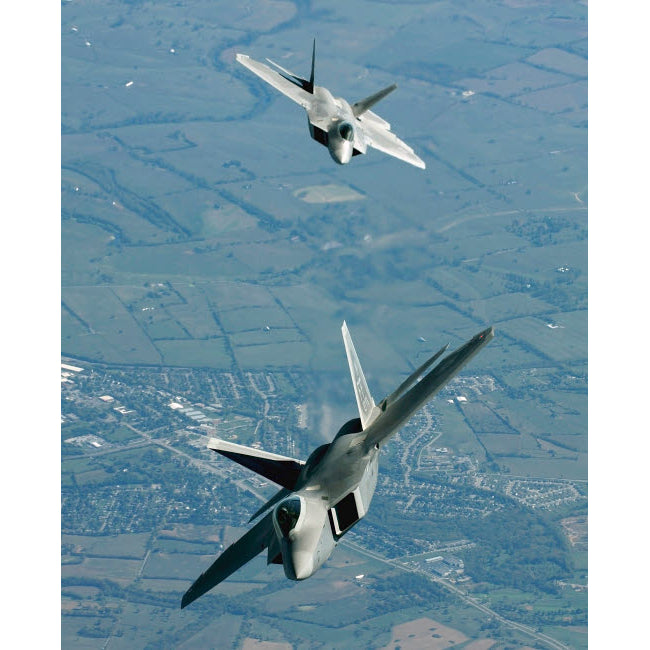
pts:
pixel 321 499
pixel 345 130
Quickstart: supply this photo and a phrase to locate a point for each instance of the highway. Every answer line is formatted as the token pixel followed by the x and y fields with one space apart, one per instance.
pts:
pixel 469 600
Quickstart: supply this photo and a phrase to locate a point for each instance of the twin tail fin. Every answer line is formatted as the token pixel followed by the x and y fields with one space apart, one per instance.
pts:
pixel 305 84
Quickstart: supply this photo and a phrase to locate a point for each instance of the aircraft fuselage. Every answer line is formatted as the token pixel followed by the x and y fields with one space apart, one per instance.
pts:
pixel 332 123
pixel 338 481
pixel 325 496
pixel 335 493
pixel 345 129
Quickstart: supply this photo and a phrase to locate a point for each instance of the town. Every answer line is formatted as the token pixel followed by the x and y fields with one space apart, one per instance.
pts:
pixel 138 437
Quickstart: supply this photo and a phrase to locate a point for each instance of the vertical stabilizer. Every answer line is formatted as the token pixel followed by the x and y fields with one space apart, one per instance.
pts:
pixel 360 107
pixel 306 85
pixel 313 62
pixel 367 409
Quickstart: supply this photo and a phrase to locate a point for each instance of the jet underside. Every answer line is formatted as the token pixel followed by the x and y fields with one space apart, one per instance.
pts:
pixel 346 130
pixel 328 118
pixel 322 498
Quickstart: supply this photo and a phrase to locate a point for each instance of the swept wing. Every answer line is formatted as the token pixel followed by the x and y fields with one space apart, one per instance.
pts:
pixel 278 81
pixel 415 377
pixel 397 412
pixel 378 135
pixel 233 558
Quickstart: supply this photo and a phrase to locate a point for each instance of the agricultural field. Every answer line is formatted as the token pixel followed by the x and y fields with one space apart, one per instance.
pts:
pixel 145 514
pixel 210 253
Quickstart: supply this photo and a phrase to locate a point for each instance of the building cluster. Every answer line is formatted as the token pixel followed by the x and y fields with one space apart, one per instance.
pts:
pixel 88 440
pixel 535 493
pixel 69 371
pixel 187 423
pixel 444 565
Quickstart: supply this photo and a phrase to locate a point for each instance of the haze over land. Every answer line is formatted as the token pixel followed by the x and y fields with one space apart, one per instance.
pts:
pixel 211 250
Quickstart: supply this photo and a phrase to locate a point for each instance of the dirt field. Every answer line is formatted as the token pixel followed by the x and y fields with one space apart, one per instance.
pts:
pixel 192 533
pixel 576 530
pixel 327 194
pixel 425 633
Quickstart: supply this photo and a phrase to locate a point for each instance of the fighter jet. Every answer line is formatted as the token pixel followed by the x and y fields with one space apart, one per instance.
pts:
pixel 321 499
pixel 345 130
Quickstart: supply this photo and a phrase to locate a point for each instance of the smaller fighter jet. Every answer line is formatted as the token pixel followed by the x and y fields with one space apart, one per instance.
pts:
pixel 346 130
pixel 322 498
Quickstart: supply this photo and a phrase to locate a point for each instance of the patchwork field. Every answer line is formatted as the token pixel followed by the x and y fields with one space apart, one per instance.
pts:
pixel 210 253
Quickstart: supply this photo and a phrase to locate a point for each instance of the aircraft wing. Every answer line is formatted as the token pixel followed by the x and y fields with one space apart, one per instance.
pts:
pixel 233 558
pixel 378 135
pixel 286 87
pixel 420 392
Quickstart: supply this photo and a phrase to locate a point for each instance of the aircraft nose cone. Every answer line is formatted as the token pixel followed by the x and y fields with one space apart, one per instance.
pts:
pixel 340 150
pixel 336 156
pixel 303 564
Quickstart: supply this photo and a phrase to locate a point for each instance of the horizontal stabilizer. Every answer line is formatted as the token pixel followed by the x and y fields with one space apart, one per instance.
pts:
pixel 360 107
pixel 233 558
pixel 280 469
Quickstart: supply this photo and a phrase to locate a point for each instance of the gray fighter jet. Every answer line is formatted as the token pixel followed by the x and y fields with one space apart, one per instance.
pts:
pixel 345 130
pixel 321 499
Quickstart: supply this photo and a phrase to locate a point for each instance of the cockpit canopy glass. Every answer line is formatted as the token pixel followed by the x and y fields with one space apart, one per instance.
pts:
pixel 346 131
pixel 287 515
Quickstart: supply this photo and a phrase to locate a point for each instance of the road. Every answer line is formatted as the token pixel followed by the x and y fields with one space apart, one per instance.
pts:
pixel 471 217
pixel 110 450
pixel 264 399
pixel 424 430
pixel 541 479
pixel 469 600
pixel 197 462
